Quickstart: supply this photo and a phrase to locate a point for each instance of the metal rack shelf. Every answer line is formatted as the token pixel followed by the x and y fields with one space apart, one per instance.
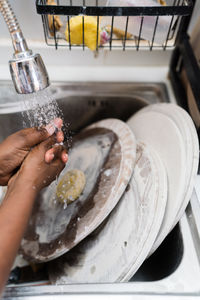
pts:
pixel 130 27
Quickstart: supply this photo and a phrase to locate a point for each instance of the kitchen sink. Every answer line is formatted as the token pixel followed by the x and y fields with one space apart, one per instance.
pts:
pixel 174 268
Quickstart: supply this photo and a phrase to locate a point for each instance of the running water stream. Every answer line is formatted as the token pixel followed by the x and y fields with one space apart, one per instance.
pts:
pixel 40 108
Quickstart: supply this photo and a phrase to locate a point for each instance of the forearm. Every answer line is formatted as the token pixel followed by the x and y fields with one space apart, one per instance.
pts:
pixel 14 215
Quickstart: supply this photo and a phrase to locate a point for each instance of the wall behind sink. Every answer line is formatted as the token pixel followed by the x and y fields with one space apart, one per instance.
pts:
pixel 29 21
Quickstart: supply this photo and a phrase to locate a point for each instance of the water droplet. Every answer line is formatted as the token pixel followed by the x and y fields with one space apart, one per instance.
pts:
pixel 65 204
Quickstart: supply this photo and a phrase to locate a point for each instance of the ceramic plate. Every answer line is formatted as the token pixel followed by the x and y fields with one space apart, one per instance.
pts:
pixel 105 152
pixel 160 132
pixel 118 247
pixel 190 139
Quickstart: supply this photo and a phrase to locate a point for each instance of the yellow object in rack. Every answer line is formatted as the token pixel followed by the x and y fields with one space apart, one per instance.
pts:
pixel 74 34
pixel 162 2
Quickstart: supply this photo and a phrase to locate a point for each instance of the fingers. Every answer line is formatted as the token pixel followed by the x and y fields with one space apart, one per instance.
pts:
pixel 60 167
pixel 53 125
pixel 59 137
pixel 64 156
pixel 58 123
pixel 47 144
pixel 57 163
pixel 30 137
pixel 49 156
pixel 56 152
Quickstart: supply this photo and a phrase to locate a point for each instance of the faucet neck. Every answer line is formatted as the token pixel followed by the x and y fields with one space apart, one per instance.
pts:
pixel 19 42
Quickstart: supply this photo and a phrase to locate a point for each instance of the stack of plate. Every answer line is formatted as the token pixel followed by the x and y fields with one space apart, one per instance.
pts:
pixel 167 157
pixel 139 180
pixel 105 152
pixel 170 131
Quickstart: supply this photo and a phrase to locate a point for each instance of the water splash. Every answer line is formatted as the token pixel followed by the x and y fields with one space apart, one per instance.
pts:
pixel 65 204
pixel 39 109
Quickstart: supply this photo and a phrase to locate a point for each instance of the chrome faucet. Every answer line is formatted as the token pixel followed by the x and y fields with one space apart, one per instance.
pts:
pixel 27 70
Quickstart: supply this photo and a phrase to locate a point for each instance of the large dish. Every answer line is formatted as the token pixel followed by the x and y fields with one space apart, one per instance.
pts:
pixel 105 152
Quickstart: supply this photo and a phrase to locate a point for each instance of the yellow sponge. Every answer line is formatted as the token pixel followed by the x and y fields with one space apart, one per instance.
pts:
pixel 71 186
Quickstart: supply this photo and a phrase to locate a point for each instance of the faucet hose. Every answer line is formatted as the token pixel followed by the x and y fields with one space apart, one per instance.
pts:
pixel 9 16
pixel 19 43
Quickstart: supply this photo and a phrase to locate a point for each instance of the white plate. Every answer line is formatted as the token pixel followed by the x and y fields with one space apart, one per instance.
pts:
pixel 159 213
pixel 116 250
pixel 160 132
pixel 190 139
pixel 105 152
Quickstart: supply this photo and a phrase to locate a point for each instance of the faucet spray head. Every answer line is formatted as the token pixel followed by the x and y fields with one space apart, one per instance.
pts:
pixel 28 72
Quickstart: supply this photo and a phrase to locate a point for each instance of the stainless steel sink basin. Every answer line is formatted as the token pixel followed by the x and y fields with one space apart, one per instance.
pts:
pixel 174 268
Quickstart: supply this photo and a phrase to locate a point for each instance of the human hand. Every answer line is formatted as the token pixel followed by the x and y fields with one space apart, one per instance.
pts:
pixel 35 173
pixel 16 147
pixel 23 188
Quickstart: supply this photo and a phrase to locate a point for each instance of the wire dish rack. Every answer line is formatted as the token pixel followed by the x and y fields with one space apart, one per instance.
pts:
pixel 114 24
